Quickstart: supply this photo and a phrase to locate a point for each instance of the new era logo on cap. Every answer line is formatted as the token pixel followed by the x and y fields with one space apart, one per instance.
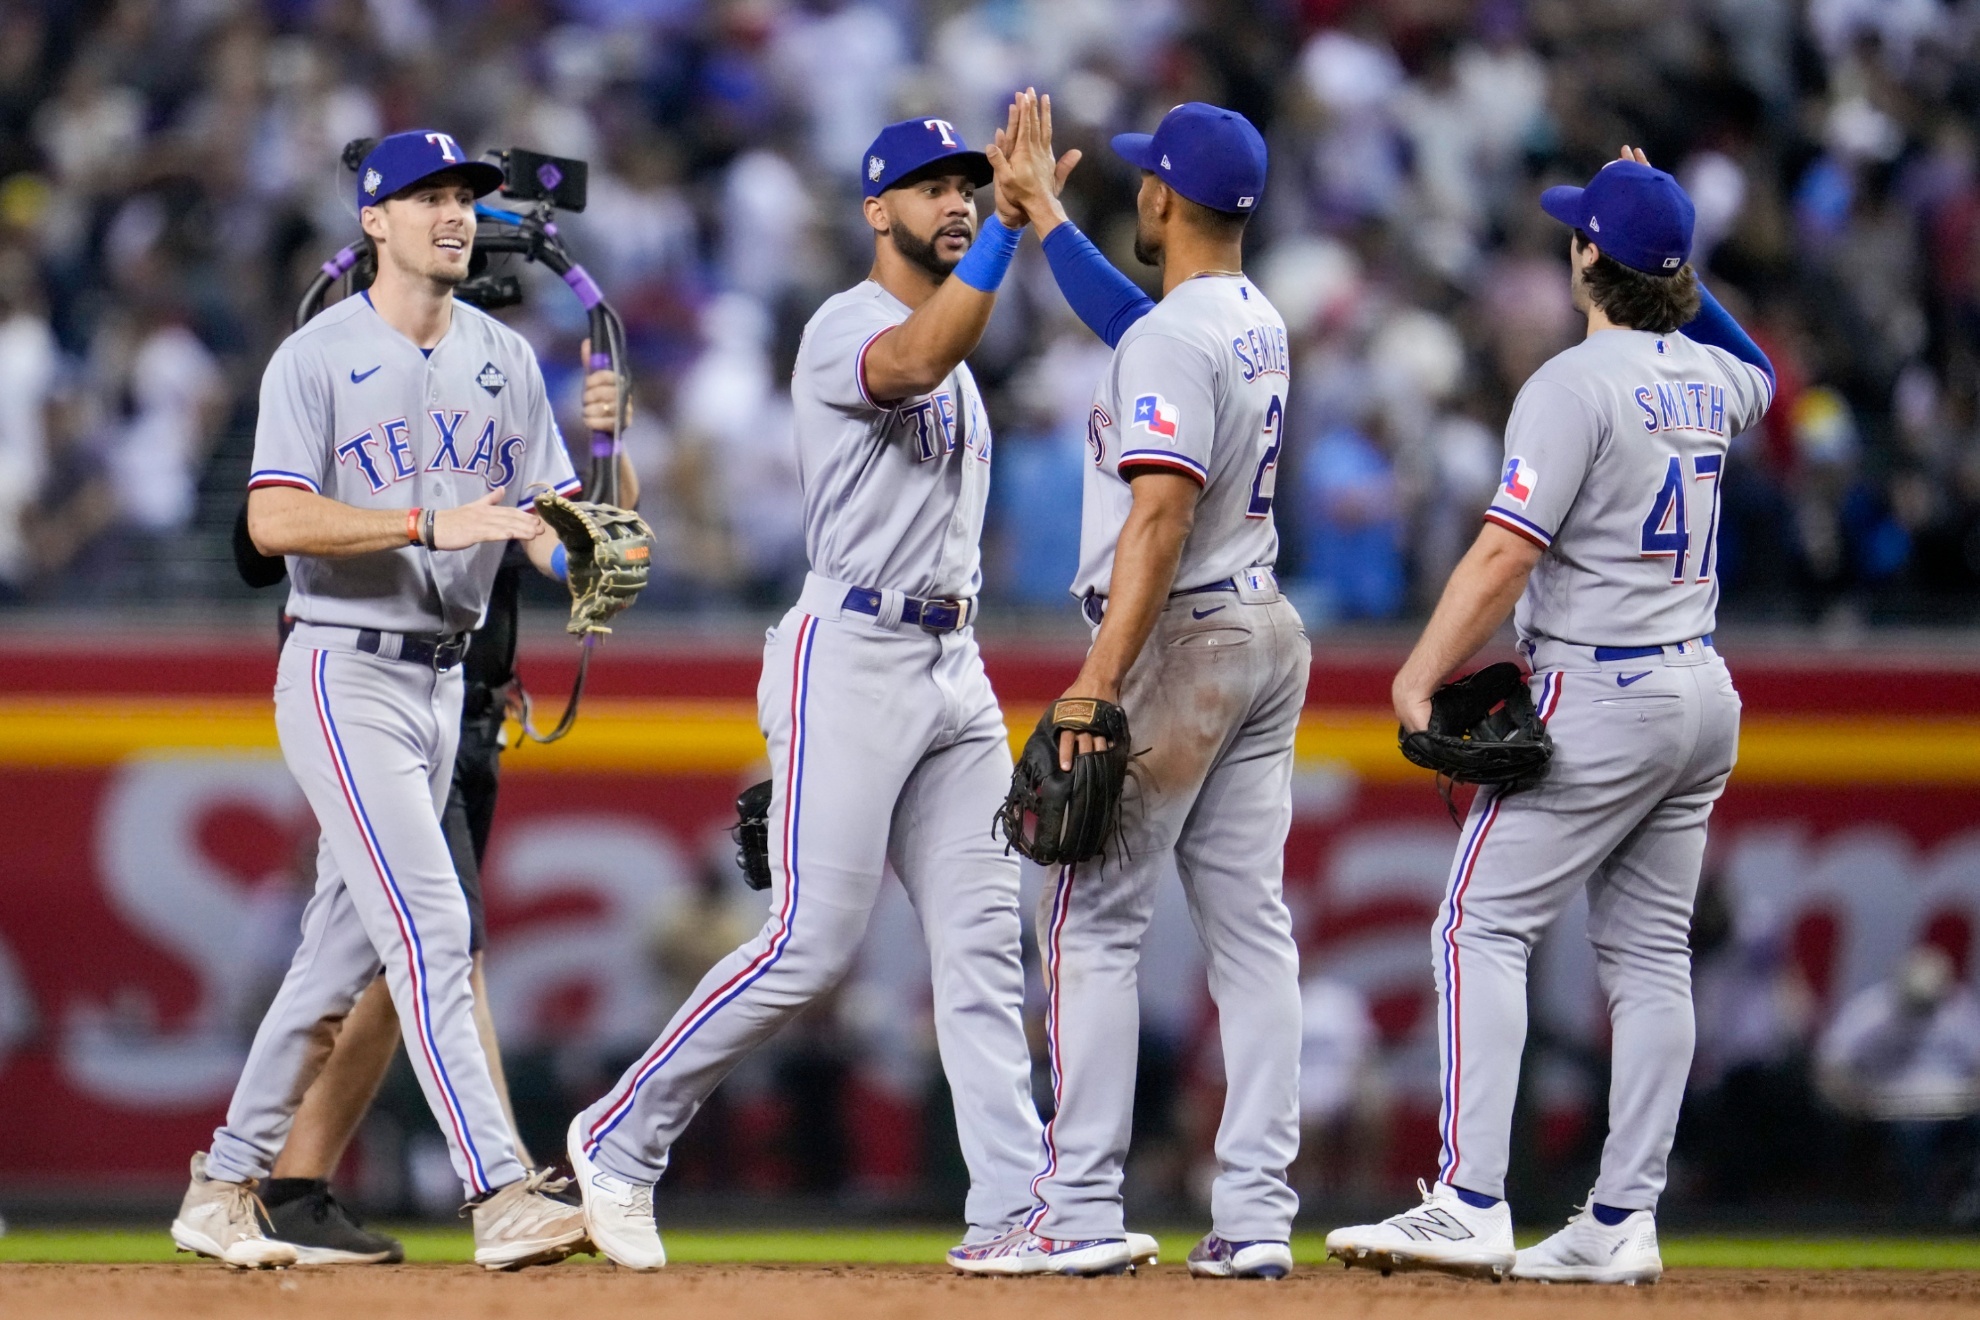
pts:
pixel 1638 215
pixel 1210 155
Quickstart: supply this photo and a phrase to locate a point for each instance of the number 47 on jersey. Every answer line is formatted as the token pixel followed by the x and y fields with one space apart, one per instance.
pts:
pixel 1666 529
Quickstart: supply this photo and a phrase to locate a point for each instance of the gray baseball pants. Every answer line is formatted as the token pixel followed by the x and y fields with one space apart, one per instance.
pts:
pixel 886 747
pixel 371 742
pixel 1215 701
pixel 1642 749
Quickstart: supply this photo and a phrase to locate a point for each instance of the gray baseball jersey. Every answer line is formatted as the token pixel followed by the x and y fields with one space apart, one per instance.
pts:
pixel 887 751
pixel 352 409
pixel 893 489
pixel 1613 457
pixel 1614 453
pixel 1197 386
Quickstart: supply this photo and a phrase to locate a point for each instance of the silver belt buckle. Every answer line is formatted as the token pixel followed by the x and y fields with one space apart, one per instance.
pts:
pixel 449 651
pixel 956 611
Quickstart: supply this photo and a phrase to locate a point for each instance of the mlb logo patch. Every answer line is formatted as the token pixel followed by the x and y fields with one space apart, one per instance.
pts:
pixel 490 378
pixel 1520 479
pixel 1156 415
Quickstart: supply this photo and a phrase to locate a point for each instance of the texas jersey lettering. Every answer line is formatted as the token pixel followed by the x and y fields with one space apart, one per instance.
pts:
pixel 353 410
pixel 894 489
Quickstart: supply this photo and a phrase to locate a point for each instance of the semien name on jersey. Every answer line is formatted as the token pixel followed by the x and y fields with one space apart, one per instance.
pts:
pixel 1261 351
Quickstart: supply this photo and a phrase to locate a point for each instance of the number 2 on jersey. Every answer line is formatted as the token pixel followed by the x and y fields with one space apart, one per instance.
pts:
pixel 1666 533
pixel 1267 479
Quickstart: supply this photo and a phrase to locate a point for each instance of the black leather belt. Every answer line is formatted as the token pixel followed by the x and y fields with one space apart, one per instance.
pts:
pixel 938 616
pixel 438 653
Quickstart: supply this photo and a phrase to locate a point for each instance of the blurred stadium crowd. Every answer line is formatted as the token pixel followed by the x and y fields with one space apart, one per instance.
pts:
pixel 169 181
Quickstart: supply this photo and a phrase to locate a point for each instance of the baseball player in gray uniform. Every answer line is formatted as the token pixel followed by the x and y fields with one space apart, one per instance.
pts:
pixel 886 743
pixel 398 431
pixel 1604 530
pixel 1193 639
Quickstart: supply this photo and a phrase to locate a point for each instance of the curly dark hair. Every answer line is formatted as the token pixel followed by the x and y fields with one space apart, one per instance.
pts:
pixel 1657 303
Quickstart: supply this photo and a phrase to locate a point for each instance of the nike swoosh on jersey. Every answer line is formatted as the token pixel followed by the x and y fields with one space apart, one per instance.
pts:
pixel 356 378
pixel 1624 680
pixel 1204 614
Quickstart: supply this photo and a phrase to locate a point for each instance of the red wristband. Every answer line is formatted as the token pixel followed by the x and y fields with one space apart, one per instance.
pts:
pixel 412 525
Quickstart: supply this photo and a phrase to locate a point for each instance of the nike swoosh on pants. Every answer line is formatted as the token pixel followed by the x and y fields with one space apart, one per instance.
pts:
pixel 1624 680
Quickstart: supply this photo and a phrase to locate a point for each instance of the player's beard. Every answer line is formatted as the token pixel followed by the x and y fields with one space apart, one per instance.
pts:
pixel 1147 250
pixel 921 251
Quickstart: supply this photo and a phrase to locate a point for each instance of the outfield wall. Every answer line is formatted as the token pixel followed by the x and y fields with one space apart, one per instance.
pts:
pixel 148 884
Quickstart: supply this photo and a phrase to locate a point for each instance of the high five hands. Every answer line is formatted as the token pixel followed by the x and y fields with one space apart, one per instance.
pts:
pixel 1028 177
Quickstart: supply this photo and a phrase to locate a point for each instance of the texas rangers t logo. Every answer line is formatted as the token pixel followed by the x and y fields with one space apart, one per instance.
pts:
pixel 1519 480
pixel 1156 415
pixel 944 127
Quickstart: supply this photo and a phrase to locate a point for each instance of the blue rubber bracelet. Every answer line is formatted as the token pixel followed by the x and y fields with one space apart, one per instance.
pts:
pixel 983 266
pixel 560 564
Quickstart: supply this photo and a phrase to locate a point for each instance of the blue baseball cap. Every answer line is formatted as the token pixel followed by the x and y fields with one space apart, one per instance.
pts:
pixel 1210 155
pixel 403 159
pixel 911 146
pixel 1636 214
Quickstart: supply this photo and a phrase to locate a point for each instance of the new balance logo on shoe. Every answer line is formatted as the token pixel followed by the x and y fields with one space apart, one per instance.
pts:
pixel 1429 1224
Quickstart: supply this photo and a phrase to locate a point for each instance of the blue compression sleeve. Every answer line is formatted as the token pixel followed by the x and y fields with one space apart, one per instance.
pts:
pixel 1108 301
pixel 983 266
pixel 1714 325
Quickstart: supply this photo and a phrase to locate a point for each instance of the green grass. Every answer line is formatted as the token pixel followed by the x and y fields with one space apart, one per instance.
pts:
pixel 861 1247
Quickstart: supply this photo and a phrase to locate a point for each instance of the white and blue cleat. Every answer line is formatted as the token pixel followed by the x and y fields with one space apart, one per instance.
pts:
pixel 1216 1258
pixel 1022 1251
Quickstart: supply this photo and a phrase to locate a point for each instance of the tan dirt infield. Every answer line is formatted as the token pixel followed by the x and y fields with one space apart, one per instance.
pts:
pixel 771 1292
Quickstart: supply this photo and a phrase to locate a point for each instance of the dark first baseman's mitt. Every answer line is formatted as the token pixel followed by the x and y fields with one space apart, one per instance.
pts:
pixel 1483 730
pixel 608 551
pixel 752 834
pixel 1053 815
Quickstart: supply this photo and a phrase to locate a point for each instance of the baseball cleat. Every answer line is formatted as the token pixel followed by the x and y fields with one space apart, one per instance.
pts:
pixel 224 1220
pixel 1216 1258
pixel 1590 1251
pixel 1442 1234
pixel 1143 1249
pixel 618 1213
pixel 323 1232
pixel 523 1224
pixel 1022 1251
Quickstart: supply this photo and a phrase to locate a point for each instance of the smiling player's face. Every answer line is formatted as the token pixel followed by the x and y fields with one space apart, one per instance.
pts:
pixel 428 231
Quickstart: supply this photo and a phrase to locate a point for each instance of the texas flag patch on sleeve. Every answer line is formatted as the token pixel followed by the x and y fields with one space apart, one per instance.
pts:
pixel 1156 415
pixel 1520 479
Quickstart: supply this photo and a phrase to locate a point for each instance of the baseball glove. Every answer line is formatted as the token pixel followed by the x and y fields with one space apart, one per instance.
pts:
pixel 1053 815
pixel 1483 730
pixel 609 552
pixel 752 834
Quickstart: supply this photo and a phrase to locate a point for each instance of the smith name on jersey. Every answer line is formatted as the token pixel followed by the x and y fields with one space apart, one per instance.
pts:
pixel 1614 452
